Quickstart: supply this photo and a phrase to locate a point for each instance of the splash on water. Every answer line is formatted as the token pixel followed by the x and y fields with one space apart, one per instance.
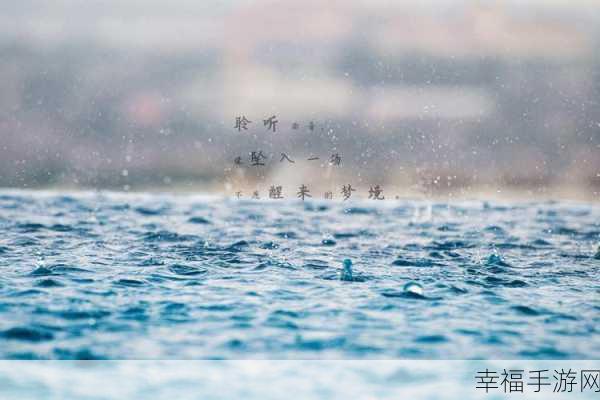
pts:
pixel 413 288
pixel 346 274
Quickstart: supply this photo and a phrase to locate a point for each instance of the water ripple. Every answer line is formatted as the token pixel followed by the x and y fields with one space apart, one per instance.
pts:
pixel 90 276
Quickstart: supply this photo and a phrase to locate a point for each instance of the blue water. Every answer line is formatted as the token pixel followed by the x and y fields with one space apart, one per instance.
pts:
pixel 110 276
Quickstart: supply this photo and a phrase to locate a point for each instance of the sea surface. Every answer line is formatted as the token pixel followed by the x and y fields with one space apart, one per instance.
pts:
pixel 157 276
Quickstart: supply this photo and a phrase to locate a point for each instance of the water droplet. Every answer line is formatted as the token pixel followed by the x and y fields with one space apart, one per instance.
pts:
pixel 414 288
pixel 346 274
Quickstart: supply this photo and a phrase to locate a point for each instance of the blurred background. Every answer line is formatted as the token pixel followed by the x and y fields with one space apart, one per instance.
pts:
pixel 451 98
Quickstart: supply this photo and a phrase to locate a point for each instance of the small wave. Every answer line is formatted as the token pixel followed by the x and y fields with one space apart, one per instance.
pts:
pixel 28 334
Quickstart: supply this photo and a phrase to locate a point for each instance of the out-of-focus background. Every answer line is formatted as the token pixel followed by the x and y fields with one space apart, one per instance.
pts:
pixel 428 97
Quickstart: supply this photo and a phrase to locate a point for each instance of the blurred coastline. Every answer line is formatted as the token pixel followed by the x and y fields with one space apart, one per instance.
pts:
pixel 434 98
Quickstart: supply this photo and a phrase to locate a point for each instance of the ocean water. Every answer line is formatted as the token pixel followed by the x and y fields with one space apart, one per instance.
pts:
pixel 151 276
